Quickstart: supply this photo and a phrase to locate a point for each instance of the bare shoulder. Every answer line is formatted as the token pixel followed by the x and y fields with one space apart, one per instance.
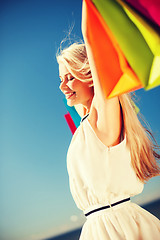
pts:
pixel 106 120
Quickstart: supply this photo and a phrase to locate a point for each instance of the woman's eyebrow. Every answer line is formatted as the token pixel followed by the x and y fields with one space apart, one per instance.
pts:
pixel 65 75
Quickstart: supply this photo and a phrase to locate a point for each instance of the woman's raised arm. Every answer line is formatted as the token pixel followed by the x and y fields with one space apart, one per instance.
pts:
pixel 105 115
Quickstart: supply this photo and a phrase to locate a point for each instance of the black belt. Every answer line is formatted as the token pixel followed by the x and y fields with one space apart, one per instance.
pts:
pixel 108 206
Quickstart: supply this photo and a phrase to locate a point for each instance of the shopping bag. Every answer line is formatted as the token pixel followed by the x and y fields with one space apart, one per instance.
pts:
pixel 152 38
pixel 149 8
pixel 116 75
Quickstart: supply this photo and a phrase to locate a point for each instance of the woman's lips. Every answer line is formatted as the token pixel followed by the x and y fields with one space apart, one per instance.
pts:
pixel 69 95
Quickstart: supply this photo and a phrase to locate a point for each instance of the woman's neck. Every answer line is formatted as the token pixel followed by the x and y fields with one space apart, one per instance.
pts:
pixel 87 106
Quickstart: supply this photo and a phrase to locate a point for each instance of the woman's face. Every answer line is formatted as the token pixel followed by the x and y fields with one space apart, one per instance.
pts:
pixel 75 91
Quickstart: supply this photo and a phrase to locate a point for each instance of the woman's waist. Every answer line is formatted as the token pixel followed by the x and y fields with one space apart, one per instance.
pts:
pixel 107 206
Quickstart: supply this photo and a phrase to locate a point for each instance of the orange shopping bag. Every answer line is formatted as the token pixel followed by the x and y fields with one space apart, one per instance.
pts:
pixel 115 74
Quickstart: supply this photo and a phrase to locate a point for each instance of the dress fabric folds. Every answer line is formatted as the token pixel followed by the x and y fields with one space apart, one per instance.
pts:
pixel 101 175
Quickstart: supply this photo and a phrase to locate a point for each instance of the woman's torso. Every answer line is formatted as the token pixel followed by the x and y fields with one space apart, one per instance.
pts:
pixel 98 174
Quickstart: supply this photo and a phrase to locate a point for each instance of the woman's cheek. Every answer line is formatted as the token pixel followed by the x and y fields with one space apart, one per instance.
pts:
pixel 72 85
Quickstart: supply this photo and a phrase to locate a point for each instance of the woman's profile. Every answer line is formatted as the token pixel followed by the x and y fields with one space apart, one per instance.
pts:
pixel 110 156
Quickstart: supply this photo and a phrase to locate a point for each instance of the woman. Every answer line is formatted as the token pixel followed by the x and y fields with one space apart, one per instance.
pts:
pixel 110 155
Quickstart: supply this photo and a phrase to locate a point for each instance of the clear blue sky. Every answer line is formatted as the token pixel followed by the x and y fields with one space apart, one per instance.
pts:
pixel 35 198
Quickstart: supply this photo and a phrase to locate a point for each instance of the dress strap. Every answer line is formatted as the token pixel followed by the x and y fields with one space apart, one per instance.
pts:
pixel 84 117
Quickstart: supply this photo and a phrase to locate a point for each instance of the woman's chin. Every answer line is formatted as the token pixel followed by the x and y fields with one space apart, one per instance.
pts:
pixel 70 103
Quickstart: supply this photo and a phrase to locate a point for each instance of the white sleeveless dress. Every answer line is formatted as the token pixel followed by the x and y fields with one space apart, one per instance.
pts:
pixel 100 176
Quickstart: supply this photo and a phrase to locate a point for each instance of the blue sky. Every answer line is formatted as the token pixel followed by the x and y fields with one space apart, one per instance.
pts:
pixel 35 198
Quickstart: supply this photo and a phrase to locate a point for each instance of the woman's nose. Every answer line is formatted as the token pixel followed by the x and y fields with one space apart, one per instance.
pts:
pixel 63 85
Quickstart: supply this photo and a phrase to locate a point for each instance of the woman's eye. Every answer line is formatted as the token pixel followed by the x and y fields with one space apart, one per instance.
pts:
pixel 70 79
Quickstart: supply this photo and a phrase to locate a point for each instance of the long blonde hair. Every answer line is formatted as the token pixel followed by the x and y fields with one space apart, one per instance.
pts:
pixel 139 140
pixel 75 59
pixel 142 149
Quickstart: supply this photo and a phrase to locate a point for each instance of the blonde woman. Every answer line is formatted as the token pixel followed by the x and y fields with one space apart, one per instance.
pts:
pixel 110 155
